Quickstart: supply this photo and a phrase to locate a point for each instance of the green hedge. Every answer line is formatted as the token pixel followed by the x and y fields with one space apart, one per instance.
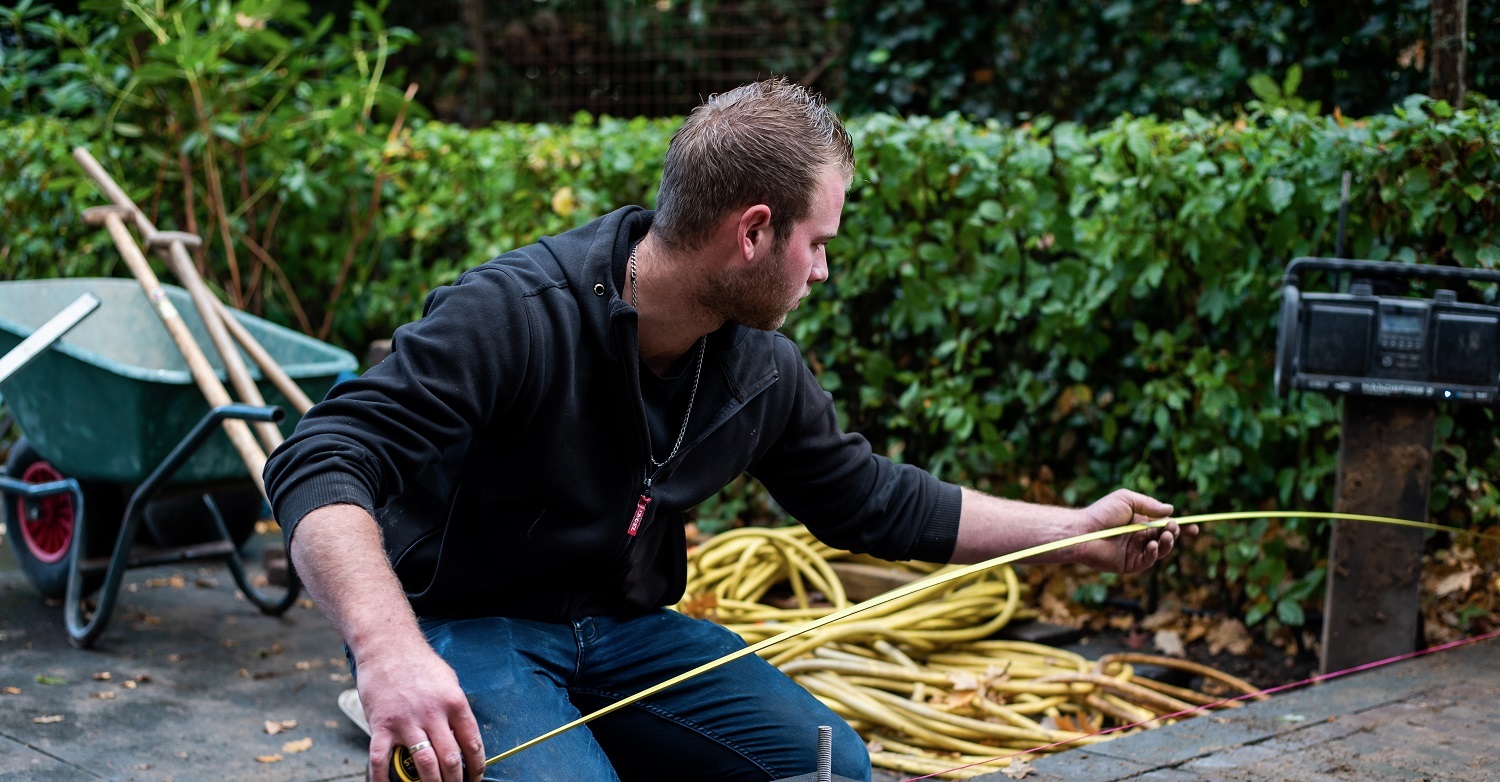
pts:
pixel 1047 311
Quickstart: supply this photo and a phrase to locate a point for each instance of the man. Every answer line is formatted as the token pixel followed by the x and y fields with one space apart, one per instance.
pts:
pixel 531 445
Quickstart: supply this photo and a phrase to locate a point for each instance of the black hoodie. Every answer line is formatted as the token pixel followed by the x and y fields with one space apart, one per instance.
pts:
pixel 503 446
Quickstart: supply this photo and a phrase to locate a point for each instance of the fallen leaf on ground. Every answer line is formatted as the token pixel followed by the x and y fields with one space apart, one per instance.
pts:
pixel 50 680
pixel 1169 643
pixel 105 696
pixel 268 758
pixel 12 690
pixel 1232 636
pixel 48 720
pixel 1017 770
pixel 1163 618
pixel 103 676
pixel 128 684
pixel 274 727
pixel 300 745
pixel 1462 581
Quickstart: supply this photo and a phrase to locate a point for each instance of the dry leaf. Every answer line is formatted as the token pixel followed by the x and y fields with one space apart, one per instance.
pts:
pixel 128 684
pixel 274 727
pixel 1462 581
pixel 105 696
pixel 963 681
pixel 300 745
pixel 1230 635
pixel 12 690
pixel 268 758
pixel 1017 769
pixel 1169 643
pixel 701 606
pixel 302 665
pixel 48 720
pixel 1169 616
pixel 103 676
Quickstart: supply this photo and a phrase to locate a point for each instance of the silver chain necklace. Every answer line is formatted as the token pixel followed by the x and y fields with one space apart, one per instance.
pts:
pixel 697 374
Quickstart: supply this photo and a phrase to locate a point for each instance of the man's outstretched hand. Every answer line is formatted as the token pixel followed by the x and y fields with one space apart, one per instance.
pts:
pixel 991 526
pixel 1133 552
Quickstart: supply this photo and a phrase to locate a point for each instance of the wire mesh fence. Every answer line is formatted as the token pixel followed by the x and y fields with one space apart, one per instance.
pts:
pixel 544 61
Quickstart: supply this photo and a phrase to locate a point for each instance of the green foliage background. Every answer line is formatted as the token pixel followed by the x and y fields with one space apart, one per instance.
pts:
pixel 1047 310
pixel 1091 62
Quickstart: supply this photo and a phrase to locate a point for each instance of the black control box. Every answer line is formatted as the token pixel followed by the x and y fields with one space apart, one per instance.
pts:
pixel 1356 342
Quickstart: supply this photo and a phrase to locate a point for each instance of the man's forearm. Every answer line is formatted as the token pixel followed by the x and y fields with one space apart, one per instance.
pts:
pixel 991 526
pixel 339 557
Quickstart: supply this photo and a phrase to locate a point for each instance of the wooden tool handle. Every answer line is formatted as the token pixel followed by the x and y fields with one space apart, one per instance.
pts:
pixel 113 218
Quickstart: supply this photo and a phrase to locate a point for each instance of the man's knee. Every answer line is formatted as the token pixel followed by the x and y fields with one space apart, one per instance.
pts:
pixel 850 757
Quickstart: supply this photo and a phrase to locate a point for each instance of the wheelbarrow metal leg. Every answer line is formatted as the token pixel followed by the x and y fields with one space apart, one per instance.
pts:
pixel 84 632
pixel 266 604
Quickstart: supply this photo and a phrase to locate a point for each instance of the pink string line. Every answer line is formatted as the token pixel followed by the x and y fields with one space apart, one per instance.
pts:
pixel 1320 678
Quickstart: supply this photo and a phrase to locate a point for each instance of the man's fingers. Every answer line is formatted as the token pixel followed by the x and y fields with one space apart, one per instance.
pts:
pixel 466 731
pixel 449 758
pixel 426 759
pixel 380 758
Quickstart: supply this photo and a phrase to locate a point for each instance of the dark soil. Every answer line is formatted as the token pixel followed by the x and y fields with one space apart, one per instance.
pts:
pixel 1265 666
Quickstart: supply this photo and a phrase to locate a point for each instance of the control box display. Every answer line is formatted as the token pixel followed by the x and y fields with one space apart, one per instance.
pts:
pixel 1356 342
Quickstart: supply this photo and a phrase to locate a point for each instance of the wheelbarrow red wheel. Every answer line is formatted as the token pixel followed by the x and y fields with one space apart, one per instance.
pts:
pixel 43 531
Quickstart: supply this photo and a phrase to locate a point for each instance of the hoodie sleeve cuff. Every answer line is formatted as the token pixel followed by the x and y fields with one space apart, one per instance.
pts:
pixel 940 535
pixel 295 502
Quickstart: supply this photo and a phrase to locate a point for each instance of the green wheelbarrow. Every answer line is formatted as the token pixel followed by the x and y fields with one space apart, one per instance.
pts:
pixel 121 463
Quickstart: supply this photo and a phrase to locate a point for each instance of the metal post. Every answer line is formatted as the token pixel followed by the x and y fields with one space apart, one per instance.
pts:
pixel 1385 468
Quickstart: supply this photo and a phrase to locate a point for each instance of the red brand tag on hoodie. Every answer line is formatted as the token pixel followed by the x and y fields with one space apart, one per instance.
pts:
pixel 640 513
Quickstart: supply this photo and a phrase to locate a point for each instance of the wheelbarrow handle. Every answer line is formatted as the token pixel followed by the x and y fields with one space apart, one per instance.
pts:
pixel 48 333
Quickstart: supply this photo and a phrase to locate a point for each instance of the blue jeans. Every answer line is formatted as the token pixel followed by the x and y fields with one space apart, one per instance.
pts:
pixel 741 721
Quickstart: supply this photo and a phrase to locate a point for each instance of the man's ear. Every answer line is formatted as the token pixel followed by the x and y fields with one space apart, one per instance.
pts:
pixel 754 233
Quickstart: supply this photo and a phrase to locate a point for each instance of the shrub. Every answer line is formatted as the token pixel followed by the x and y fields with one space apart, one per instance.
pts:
pixel 1046 311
